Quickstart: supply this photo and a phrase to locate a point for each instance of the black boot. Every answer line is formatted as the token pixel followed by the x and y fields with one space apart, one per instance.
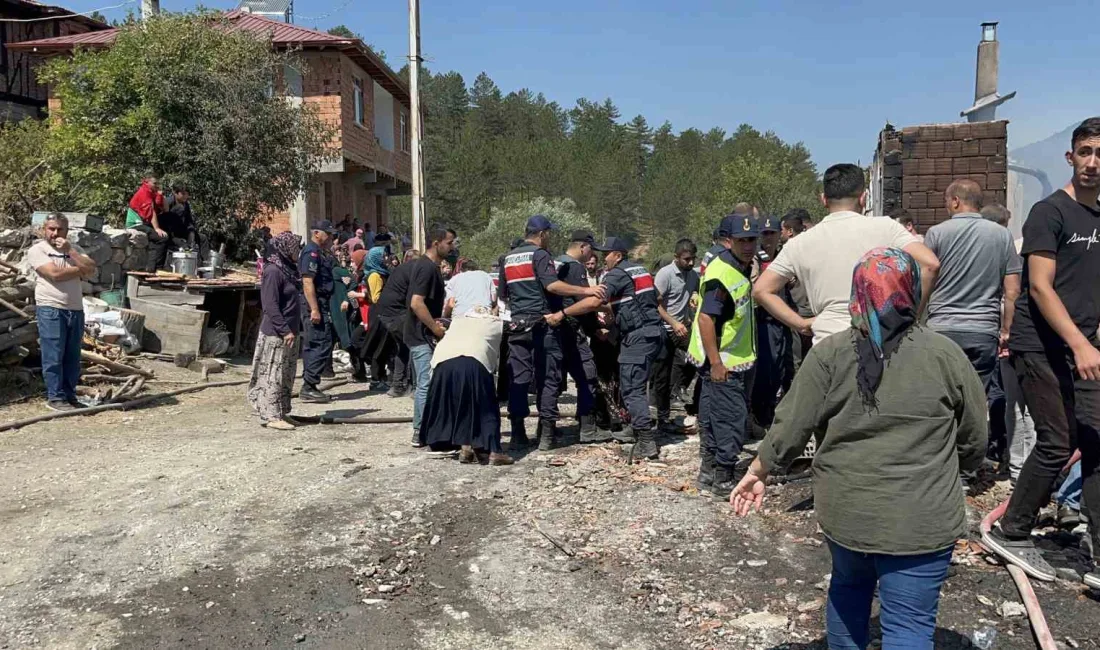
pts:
pixel 646 446
pixel 706 468
pixel 590 433
pixel 547 435
pixel 519 435
pixel 312 395
pixel 725 480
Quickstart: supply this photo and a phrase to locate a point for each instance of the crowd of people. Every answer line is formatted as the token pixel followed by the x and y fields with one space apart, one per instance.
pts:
pixel 900 363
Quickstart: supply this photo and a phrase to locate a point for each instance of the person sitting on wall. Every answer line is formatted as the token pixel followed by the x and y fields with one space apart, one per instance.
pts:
pixel 143 215
pixel 178 221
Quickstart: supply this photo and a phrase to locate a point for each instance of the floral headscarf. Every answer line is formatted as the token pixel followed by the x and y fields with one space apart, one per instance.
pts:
pixel 886 295
pixel 286 249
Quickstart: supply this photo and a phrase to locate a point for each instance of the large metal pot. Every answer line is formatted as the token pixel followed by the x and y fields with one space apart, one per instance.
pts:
pixel 185 263
pixel 216 261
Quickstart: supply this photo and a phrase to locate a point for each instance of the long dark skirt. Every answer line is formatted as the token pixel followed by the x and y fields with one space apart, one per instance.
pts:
pixel 461 408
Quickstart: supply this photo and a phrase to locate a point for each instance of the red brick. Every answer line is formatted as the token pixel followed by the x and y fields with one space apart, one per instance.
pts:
pixel 961 166
pixel 988 147
pixel 936 149
pixel 997 182
pixel 909 168
pixel 979 165
pixel 971 148
pixel 998 164
pixel 942 182
pixel 980 179
pixel 926 166
pixel 943 166
pixel 952 148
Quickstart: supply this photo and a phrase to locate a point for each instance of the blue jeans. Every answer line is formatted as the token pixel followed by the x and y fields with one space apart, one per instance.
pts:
pixel 60 332
pixel 421 358
pixel 1069 494
pixel 909 595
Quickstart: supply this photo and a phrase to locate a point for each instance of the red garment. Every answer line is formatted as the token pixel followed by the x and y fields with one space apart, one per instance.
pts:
pixel 364 306
pixel 147 202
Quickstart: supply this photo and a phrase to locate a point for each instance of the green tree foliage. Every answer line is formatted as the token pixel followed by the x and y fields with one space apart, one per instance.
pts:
pixel 193 102
pixel 508 223
pixel 485 150
pixel 25 179
pixel 343 31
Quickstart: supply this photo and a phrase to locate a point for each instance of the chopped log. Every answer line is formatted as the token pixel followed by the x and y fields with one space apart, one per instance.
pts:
pixel 11 322
pixel 20 336
pixel 18 292
pixel 14 356
pixel 15 309
pixel 114 366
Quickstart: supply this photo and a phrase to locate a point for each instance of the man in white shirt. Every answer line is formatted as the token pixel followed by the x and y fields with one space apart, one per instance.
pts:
pixel 822 259
pixel 60 266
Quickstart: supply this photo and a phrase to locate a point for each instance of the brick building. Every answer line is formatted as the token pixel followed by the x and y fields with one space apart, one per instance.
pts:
pixel 353 89
pixel 21 95
pixel 915 165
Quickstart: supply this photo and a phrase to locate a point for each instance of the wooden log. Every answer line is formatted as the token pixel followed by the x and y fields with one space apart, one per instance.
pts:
pixel 114 366
pixel 16 293
pixel 20 336
pixel 15 309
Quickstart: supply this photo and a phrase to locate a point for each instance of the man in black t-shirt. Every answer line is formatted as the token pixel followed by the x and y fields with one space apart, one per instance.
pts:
pixel 1053 344
pixel 392 311
pixel 426 296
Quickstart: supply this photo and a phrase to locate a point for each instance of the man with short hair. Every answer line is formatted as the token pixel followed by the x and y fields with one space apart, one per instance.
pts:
pixel 723 349
pixel 910 225
pixel 822 259
pixel 997 213
pixel 60 266
pixel 677 284
pixel 423 329
pixel 1054 348
pixel 976 289
pixel 793 224
pixel 580 363
pixel 533 291
pixel 178 221
pixel 315 265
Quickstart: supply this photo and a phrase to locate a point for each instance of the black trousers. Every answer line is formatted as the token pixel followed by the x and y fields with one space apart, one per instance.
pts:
pixel 320 339
pixel 1066 412
pixel 580 365
pixel 774 368
pixel 671 372
pixel 723 411
pixel 535 357
pixel 157 253
pixel 636 356
pixel 608 410
pixel 981 349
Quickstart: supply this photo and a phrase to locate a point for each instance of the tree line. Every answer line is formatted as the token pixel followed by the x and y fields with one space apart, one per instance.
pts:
pixel 486 150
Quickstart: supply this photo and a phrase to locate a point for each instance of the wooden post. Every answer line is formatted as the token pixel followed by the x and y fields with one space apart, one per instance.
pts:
pixel 240 323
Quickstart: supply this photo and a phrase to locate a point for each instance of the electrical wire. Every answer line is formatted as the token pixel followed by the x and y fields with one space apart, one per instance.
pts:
pixel 69 15
pixel 317 19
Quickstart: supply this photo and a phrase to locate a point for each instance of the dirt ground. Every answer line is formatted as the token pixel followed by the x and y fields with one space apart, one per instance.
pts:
pixel 189 525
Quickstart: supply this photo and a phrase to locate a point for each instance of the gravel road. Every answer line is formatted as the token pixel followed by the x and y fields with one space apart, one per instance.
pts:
pixel 189 525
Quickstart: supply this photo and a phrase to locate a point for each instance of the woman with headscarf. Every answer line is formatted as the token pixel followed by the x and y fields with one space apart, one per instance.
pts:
pixel 461 413
pixel 371 340
pixel 897 410
pixel 276 357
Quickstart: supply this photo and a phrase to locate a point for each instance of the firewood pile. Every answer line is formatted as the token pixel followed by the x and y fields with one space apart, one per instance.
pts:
pixel 103 363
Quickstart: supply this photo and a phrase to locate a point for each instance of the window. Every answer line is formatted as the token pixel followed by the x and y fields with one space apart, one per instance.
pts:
pixel 328 200
pixel 405 134
pixel 358 98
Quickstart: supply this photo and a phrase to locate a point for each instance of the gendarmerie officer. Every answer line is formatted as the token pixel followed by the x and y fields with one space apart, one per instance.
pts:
pixel 315 265
pixel 633 298
pixel 774 340
pixel 579 361
pixel 529 284
pixel 723 347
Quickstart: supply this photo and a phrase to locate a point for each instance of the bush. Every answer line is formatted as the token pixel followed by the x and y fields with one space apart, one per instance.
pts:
pixel 506 224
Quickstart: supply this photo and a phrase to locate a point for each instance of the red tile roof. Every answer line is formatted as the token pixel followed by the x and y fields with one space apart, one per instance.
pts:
pixel 281 35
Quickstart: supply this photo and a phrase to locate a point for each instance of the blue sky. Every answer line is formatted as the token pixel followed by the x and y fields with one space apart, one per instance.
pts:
pixel 825 73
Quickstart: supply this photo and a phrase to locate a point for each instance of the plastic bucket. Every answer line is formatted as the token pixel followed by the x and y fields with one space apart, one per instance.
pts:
pixel 114 297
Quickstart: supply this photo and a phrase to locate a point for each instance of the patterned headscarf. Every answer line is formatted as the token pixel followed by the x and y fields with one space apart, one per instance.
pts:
pixel 286 248
pixel 376 262
pixel 885 298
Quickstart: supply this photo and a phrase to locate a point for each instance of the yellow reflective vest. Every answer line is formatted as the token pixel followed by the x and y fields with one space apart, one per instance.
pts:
pixel 737 336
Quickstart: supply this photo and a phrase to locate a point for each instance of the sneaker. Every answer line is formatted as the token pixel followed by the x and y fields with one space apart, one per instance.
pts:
pixel 1092 579
pixel 397 391
pixel 379 385
pixel 442 455
pixel 1021 552
pixel 416 440
pixel 60 405
pixel 466 456
pixel 313 396
pixel 279 425
pixel 77 404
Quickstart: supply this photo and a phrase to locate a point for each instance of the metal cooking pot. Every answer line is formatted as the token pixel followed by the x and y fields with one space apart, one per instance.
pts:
pixel 185 263
pixel 216 260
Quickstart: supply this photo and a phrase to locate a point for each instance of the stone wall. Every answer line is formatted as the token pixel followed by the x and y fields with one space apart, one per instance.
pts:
pixel 919 162
pixel 114 250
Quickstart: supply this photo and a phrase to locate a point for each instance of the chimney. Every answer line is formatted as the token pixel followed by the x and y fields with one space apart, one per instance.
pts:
pixel 986 99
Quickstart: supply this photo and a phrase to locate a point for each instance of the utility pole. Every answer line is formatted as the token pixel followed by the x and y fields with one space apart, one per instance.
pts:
pixel 149 8
pixel 414 101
